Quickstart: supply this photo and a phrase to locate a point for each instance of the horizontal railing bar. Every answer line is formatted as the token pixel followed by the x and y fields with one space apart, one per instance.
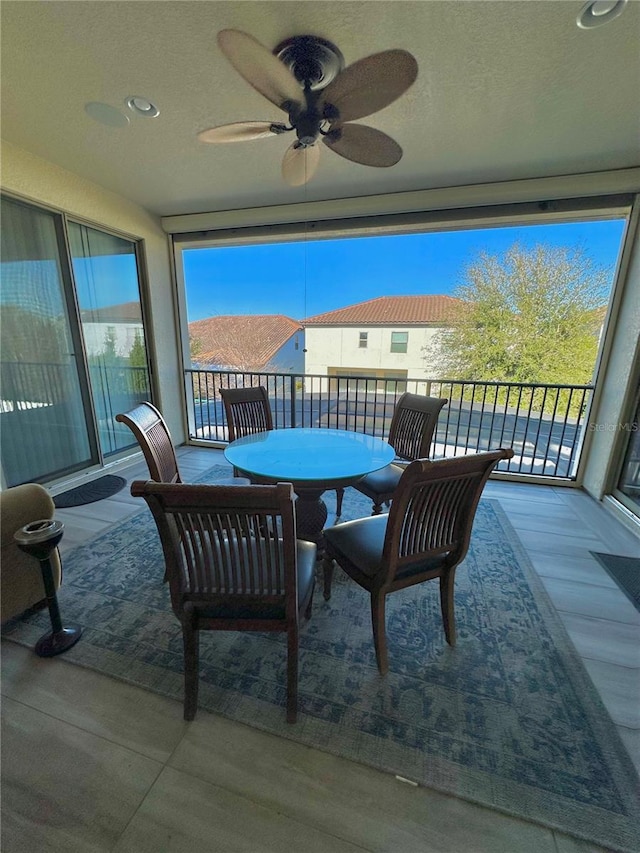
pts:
pixel 544 423
pixel 408 380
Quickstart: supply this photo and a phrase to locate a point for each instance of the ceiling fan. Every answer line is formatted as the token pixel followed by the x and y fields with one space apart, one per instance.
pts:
pixel 305 78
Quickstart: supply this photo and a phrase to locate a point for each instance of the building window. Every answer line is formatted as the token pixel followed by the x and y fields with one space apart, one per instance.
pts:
pixel 363 340
pixel 399 341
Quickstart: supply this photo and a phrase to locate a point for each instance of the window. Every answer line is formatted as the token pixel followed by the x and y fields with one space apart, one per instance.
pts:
pixel 72 349
pixel 399 341
pixel 105 268
pixel 415 271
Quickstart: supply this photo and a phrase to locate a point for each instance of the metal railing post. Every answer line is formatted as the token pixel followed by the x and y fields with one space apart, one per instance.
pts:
pixel 292 399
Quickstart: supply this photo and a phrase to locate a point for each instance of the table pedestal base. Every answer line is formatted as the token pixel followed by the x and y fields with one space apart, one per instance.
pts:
pixel 311 515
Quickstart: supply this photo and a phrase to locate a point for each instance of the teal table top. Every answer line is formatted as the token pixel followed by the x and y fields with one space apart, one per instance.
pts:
pixel 309 455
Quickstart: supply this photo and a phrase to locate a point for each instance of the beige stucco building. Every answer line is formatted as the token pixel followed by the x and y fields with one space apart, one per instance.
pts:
pixel 388 338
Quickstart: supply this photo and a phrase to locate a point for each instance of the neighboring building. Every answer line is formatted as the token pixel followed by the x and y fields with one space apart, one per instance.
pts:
pixel 122 323
pixel 251 342
pixel 382 337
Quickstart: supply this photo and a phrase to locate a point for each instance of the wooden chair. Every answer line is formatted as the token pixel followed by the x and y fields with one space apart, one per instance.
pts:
pixel 228 570
pixel 248 412
pixel 425 535
pixel 154 438
pixel 414 420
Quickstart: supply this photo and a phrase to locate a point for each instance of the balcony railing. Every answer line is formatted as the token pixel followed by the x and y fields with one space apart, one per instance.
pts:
pixel 544 424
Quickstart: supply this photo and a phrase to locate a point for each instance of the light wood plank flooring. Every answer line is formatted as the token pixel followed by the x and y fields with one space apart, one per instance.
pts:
pixel 93 764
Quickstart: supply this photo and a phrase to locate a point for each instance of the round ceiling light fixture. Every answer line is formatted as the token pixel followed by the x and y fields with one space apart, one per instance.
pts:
pixel 596 13
pixel 142 106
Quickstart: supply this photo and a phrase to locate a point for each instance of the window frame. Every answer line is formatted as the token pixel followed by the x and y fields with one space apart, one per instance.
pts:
pixel 396 343
pixel 528 202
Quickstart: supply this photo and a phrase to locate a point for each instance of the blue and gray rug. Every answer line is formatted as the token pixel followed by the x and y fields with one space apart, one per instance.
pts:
pixel 508 719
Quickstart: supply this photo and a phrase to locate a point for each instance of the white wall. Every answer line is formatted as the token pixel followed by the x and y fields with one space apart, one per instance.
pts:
pixel 619 379
pixel 338 346
pixel 37 180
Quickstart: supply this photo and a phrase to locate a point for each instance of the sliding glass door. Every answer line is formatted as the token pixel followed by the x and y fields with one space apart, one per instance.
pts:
pixel 628 486
pixel 106 278
pixel 44 408
pixel 73 348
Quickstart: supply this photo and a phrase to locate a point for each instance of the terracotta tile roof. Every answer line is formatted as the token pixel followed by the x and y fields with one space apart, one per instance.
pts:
pixel 246 341
pixel 125 312
pixel 387 310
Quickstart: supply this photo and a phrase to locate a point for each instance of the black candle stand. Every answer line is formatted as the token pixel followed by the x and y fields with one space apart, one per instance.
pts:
pixel 39 539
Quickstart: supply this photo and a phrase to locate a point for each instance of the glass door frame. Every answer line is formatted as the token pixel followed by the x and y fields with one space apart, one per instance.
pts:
pixel 61 219
pixel 623 439
pixel 143 287
pixel 69 290
pixel 143 290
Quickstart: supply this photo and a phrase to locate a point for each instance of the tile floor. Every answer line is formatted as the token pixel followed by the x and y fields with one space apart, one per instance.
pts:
pixel 93 764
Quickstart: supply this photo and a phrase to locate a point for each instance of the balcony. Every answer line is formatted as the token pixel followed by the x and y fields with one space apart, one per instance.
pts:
pixel 544 424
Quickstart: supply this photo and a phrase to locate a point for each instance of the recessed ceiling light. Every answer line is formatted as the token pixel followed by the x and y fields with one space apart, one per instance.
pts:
pixel 142 106
pixel 106 114
pixel 595 13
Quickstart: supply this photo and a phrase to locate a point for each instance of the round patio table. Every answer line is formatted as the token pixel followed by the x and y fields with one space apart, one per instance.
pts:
pixel 314 460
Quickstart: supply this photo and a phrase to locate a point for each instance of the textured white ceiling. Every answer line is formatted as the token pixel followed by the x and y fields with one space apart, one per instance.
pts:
pixel 506 89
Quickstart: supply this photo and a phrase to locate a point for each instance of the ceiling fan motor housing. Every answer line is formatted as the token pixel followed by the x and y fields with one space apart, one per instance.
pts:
pixel 313 61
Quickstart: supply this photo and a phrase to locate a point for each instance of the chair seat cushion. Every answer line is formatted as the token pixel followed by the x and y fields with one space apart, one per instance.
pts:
pixel 382 482
pixel 359 544
pixel 307 556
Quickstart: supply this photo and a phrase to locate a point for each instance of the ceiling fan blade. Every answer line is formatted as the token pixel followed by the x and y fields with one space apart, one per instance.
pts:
pixel 260 68
pixel 237 132
pixel 299 164
pixel 371 84
pixel 365 145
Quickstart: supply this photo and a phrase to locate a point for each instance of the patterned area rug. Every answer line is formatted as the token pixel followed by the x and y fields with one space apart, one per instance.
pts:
pixel 508 719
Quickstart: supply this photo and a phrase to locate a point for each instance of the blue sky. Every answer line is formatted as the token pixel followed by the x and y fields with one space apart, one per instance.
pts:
pixel 306 278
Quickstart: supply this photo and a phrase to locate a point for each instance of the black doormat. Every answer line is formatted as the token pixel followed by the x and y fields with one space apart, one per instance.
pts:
pixel 626 573
pixel 88 493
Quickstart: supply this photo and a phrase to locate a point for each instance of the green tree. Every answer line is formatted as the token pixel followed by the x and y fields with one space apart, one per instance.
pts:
pixel 196 348
pixel 28 337
pixel 527 316
pixel 108 355
pixel 34 350
pixel 138 361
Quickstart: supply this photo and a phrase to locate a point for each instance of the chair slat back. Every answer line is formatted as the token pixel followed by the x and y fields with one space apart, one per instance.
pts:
pixel 247 411
pixel 434 508
pixel 225 543
pixel 154 438
pixel 413 423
